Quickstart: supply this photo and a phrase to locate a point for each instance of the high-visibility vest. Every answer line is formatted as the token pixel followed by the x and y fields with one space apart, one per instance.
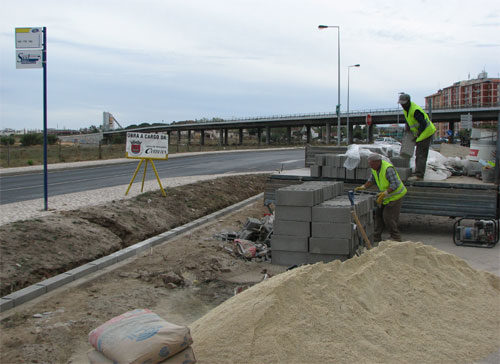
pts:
pixel 429 130
pixel 383 183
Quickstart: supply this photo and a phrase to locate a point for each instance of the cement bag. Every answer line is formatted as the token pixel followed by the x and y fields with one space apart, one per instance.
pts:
pixel 184 357
pixel 353 157
pixel 139 336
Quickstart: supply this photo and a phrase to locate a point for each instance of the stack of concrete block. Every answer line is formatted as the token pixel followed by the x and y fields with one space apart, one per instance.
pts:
pixel 334 234
pixel 332 166
pixel 293 217
pixel 402 165
pixel 314 224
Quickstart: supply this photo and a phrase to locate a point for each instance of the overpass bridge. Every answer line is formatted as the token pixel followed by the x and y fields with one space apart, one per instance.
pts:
pixel 327 120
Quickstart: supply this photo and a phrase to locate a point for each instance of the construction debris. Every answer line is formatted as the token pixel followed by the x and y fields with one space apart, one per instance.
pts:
pixel 253 241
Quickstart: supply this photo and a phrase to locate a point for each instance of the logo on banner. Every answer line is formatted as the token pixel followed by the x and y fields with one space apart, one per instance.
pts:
pixel 135 146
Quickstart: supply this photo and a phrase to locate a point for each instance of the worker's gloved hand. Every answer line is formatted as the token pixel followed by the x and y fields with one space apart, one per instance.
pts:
pixel 381 196
pixel 360 188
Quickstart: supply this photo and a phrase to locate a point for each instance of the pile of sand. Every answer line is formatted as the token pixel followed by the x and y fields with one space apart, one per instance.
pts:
pixel 398 303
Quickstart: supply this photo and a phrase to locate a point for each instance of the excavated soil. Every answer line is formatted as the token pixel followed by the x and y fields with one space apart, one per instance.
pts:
pixel 33 250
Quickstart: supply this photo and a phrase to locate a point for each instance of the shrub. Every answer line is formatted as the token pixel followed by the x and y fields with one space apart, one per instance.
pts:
pixel 52 139
pixel 31 139
pixel 8 140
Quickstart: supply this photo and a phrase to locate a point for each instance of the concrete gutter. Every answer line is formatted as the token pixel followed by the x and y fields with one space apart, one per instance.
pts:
pixel 38 289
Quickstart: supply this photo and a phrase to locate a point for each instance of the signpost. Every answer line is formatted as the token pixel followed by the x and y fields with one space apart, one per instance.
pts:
pixel 466 121
pixel 147 147
pixel 368 119
pixel 31 52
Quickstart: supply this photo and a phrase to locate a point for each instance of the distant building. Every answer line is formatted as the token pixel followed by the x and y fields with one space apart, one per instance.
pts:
pixel 479 92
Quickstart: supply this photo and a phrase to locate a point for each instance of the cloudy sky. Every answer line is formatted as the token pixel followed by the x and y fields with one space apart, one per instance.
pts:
pixel 170 60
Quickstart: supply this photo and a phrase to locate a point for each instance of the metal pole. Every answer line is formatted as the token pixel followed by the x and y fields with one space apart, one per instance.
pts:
pixel 44 63
pixel 497 156
pixel 338 87
pixel 347 122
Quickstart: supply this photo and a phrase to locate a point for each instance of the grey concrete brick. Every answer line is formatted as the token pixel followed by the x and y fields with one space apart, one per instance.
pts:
pixel 404 173
pixel 316 171
pixel 292 228
pixel 325 258
pixel 328 230
pixel 288 258
pixel 400 162
pixel 293 213
pixel 330 246
pixel 328 171
pixel 6 304
pixel 26 294
pixel 294 198
pixel 55 282
pixel 289 243
pixel 325 212
pixel 330 160
pixel 350 174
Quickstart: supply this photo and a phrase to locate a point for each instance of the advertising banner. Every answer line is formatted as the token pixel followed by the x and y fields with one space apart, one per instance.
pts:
pixel 147 145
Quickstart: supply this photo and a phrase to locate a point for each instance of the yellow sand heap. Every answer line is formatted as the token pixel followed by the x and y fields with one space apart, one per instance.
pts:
pixel 397 303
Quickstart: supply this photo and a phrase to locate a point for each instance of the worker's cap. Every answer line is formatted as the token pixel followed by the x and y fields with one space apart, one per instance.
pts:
pixel 374 157
pixel 404 98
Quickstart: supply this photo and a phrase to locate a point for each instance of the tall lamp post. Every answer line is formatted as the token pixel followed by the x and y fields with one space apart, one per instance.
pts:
pixel 337 109
pixel 348 68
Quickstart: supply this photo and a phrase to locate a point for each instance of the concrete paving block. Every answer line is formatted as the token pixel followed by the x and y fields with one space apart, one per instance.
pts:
pixel 328 171
pixel 55 282
pixel 400 162
pixel 293 213
pixel 404 173
pixel 289 243
pixel 328 230
pixel 288 258
pixel 6 304
pixel 325 212
pixel 294 198
pixel 326 258
pixel 292 228
pixel 26 294
pixel 330 160
pixel 82 270
pixel 330 246
pixel 363 162
pixel 320 159
pixel 316 171
pixel 350 174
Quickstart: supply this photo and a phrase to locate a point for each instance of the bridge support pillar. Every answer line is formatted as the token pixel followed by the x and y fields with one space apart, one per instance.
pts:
pixel 308 133
pixel 289 134
pixel 226 132
pixel 451 138
pixel 259 135
pixel 221 137
pixel 189 137
pixel 168 133
pixel 202 137
pixel 328 133
pixel 369 134
pixel 268 135
pixel 349 133
pixel 240 136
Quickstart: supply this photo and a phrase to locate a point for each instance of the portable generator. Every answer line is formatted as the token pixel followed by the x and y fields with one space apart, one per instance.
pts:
pixel 483 233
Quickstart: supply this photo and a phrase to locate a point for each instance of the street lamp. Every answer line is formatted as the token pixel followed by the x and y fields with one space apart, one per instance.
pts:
pixel 348 68
pixel 337 109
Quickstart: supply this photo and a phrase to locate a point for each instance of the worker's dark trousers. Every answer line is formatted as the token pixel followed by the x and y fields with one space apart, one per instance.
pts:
pixel 387 216
pixel 421 153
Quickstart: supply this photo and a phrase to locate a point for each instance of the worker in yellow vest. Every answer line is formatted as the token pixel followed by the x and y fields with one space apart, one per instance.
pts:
pixel 418 123
pixel 390 198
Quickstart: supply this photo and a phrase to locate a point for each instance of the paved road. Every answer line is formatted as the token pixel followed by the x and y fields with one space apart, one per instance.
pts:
pixel 29 186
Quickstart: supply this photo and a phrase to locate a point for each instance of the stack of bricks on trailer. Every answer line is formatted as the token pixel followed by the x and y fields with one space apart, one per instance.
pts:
pixel 313 223
pixel 332 166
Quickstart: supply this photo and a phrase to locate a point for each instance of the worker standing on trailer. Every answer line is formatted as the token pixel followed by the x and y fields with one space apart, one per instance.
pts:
pixel 389 199
pixel 418 122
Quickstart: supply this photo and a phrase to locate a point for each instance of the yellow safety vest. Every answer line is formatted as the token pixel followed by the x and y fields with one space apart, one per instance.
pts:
pixel 383 183
pixel 429 130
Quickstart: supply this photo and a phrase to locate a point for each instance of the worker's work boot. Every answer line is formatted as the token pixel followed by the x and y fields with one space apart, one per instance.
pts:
pixel 396 238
